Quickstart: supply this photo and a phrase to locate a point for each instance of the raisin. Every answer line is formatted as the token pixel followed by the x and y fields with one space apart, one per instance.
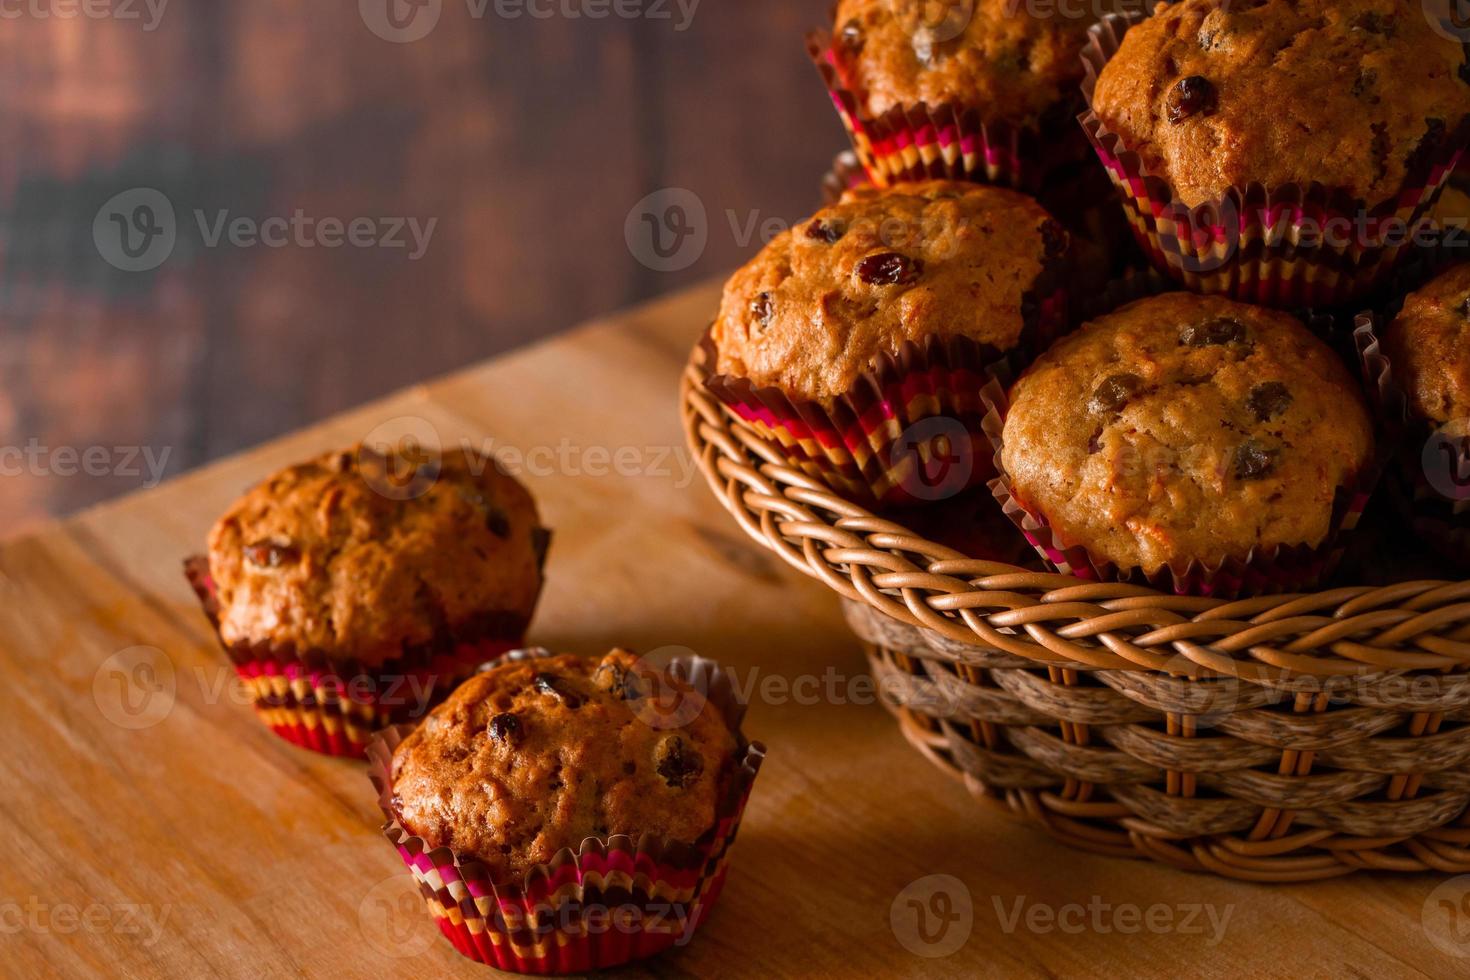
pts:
pixel 762 309
pixel 1375 23
pixel 1094 444
pixel 498 523
pixel 1253 461
pixel 889 269
pixel 268 554
pixel 1114 392
pixel 1366 85
pixel 676 762
pixel 552 685
pixel 1054 239
pixel 851 37
pixel 826 231
pixel 617 681
pixel 505 728
pixel 1190 97
pixel 1213 333
pixel 1465 308
pixel 1268 400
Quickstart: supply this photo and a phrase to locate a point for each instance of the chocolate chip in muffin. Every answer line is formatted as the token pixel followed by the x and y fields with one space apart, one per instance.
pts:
pixel 269 554
pixel 762 309
pixel 554 686
pixel 889 269
pixel 830 232
pixel 1213 333
pixel 1268 400
pixel 1465 308
pixel 1114 393
pixel 498 523
pixel 612 678
pixel 505 727
pixel 676 762
pixel 851 38
pixel 1191 96
pixel 1253 461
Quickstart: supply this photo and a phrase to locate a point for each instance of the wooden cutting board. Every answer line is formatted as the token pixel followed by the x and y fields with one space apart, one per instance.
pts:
pixel 152 827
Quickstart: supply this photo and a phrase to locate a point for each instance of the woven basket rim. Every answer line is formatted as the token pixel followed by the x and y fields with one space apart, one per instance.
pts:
pixel 1416 626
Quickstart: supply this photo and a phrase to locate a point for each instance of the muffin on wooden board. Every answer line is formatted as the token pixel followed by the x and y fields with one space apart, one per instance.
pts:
pixel 1330 120
pixel 346 595
pixel 855 333
pixel 1186 440
pixel 1420 373
pixel 985 90
pixel 571 788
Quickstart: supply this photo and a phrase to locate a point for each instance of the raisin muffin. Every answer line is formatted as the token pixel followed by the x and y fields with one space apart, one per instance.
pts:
pixel 1353 94
pixel 880 312
pixel 342 572
pixel 534 756
pixel 1186 430
pixel 1428 344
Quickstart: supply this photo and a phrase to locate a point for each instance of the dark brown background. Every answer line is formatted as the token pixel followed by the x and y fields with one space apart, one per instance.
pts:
pixel 528 139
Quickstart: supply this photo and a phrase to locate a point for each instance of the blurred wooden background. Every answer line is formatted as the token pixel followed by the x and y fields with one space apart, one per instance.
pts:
pixel 530 140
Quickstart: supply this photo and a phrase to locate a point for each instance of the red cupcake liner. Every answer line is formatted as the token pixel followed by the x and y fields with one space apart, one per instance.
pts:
pixel 909 431
pixel 949 141
pixel 1260 245
pixel 614 901
pixel 1429 479
pixel 334 705
pixel 1264 571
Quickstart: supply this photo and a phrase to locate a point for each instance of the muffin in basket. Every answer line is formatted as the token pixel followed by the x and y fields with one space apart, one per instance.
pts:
pixel 564 813
pixel 1421 372
pixel 348 596
pixel 1191 442
pixel 859 340
pixel 985 90
pixel 1278 150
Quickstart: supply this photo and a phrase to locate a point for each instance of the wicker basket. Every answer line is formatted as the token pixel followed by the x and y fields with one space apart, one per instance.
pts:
pixel 1281 738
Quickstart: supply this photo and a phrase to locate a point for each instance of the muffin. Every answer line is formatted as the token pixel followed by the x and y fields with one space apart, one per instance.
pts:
pixel 1344 113
pixel 1422 370
pixel 986 91
pixel 545 771
pixel 1189 440
pixel 346 595
pixel 860 338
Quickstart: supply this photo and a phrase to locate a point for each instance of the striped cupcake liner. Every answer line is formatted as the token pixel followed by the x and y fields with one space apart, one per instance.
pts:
pixel 334 705
pixel 948 141
pixel 615 901
pixel 1264 571
pixel 1429 477
pixel 1288 246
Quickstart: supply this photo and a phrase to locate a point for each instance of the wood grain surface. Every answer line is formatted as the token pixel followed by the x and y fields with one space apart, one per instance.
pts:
pixel 152 828
pixel 528 139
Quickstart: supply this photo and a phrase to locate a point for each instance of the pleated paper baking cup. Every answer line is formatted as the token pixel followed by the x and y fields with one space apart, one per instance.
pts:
pixel 1429 476
pixel 1290 246
pixel 1264 571
pixel 949 141
pixel 909 432
pixel 334 705
pixel 615 901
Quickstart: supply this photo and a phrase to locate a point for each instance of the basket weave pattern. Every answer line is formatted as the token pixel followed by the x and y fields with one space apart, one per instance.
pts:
pixel 1279 738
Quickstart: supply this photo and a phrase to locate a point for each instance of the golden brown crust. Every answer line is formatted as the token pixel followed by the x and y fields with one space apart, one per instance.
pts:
pixel 1342 92
pixel 328 555
pixel 1429 346
pixel 881 267
pixel 1186 428
pixel 530 757
pixel 1011 64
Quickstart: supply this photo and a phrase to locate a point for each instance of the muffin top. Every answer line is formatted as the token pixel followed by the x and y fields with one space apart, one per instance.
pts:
pixel 1186 428
pixel 881 267
pixel 1010 63
pixel 533 756
pixel 344 555
pixel 1429 346
pixel 1348 93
